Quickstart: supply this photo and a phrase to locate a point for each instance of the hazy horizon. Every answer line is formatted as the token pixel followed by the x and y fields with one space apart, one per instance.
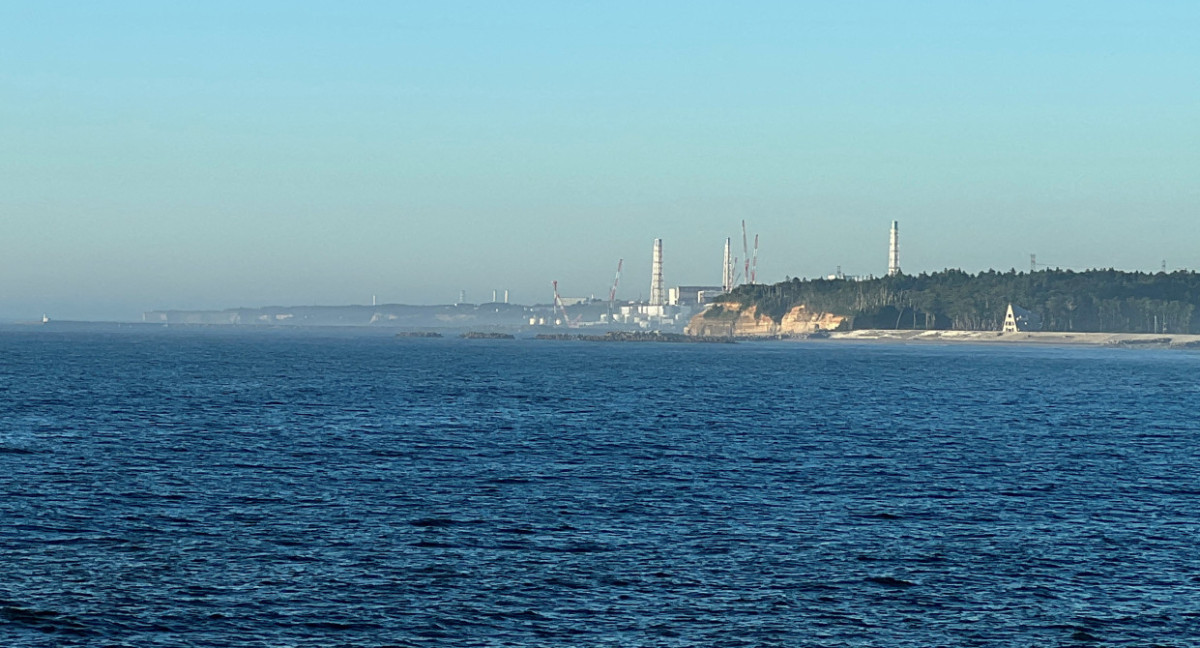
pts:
pixel 221 155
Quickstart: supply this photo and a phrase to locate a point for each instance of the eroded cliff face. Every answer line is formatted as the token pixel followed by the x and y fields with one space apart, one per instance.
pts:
pixel 738 320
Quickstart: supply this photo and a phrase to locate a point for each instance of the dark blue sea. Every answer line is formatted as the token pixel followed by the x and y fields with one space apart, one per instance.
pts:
pixel 175 487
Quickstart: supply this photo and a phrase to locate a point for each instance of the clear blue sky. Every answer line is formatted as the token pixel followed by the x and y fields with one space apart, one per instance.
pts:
pixel 216 154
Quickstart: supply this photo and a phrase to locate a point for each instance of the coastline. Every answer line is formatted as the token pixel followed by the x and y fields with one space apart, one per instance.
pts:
pixel 1121 340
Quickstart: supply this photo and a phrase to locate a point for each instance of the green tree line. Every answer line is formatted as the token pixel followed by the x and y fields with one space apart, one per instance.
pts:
pixel 1093 300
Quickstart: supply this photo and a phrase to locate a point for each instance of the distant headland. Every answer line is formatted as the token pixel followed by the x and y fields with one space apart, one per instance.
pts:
pixel 1062 301
pixel 945 305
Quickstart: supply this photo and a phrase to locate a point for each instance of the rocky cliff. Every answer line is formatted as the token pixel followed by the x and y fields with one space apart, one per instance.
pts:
pixel 738 320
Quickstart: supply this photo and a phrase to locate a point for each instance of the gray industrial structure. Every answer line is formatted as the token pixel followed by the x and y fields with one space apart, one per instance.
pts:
pixel 657 296
pixel 727 276
pixel 894 251
pixel 690 296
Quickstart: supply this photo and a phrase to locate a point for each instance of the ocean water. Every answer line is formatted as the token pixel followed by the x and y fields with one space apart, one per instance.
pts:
pixel 231 488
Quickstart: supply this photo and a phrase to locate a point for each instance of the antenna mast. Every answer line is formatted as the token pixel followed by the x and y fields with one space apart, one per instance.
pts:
pixel 894 250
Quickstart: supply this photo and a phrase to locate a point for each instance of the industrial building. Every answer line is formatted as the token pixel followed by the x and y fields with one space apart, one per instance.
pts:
pixel 666 308
pixel 688 296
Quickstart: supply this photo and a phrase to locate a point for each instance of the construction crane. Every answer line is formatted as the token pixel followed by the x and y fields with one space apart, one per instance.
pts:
pixel 612 293
pixel 562 307
pixel 754 261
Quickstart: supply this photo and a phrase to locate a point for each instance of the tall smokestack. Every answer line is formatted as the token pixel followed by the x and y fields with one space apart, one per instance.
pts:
pixel 727 268
pixel 894 251
pixel 656 279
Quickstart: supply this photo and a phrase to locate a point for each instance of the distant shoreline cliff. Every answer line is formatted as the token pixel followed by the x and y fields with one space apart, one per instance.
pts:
pixel 732 319
pixel 1101 301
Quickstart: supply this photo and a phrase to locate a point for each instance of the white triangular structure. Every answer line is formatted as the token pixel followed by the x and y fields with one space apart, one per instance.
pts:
pixel 1018 319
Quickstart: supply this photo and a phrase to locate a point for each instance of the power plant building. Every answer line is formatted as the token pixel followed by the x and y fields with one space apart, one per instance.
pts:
pixel 685 296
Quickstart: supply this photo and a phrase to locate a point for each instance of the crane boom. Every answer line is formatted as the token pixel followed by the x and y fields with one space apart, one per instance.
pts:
pixel 563 308
pixel 558 302
pixel 612 293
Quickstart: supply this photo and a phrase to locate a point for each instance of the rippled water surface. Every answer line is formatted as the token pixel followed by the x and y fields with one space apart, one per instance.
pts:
pixel 210 488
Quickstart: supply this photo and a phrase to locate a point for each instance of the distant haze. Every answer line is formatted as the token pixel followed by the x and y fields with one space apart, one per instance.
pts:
pixel 158 155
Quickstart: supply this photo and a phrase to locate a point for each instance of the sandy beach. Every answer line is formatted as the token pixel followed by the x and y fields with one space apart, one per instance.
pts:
pixel 1130 340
